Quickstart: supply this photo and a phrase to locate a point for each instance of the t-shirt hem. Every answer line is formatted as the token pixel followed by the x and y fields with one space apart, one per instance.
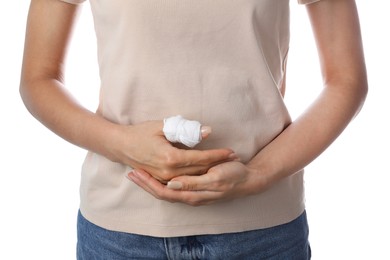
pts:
pixel 304 2
pixel 75 2
pixel 156 230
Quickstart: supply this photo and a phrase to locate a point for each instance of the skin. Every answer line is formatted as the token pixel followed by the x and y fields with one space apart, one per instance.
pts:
pixel 142 146
pixel 197 177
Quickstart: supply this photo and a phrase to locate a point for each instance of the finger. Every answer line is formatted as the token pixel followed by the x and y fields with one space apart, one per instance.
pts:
pixel 180 130
pixel 205 131
pixel 153 186
pixel 135 178
pixel 203 182
pixel 200 198
pixel 207 157
pixel 160 191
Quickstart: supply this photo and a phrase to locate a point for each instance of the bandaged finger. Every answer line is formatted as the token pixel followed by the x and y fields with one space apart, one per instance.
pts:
pixel 180 130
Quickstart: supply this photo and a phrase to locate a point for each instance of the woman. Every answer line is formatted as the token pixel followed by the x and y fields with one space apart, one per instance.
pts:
pixel 239 193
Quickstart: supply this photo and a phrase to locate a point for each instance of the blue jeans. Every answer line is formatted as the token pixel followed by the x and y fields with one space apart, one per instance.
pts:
pixel 288 241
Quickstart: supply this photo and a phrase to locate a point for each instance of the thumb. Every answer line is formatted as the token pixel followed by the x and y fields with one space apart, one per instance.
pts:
pixel 189 183
pixel 175 185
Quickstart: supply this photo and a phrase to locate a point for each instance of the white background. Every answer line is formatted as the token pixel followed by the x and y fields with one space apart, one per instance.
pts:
pixel 347 187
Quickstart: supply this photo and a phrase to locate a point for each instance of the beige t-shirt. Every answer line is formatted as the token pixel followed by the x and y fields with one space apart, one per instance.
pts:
pixel 219 62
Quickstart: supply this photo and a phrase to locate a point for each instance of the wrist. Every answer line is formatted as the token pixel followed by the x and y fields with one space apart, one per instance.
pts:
pixel 264 175
pixel 114 141
pixel 103 137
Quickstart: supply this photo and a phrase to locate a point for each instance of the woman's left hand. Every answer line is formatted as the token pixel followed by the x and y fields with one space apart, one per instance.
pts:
pixel 223 182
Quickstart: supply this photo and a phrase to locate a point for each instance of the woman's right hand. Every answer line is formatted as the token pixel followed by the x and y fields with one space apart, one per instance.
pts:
pixel 141 146
pixel 144 146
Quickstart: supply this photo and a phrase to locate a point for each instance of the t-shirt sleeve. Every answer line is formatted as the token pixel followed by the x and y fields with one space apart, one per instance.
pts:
pixel 75 2
pixel 303 2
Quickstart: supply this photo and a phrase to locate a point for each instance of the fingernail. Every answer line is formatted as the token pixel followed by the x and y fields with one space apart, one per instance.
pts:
pixel 233 156
pixel 129 175
pixel 174 185
pixel 134 173
pixel 205 131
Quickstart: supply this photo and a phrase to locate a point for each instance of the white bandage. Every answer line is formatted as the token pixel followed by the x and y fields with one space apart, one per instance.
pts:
pixel 180 130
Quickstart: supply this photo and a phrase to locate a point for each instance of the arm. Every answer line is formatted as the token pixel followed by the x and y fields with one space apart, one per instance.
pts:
pixel 337 32
pixel 42 89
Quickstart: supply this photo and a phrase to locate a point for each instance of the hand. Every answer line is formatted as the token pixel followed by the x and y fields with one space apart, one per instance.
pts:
pixel 143 146
pixel 223 182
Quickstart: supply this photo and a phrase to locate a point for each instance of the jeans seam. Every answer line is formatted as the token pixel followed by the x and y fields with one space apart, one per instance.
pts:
pixel 166 248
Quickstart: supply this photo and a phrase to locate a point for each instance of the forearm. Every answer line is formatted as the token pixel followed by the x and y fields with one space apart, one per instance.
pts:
pixel 336 28
pixel 47 100
pixel 308 136
pixel 141 146
pixel 49 27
